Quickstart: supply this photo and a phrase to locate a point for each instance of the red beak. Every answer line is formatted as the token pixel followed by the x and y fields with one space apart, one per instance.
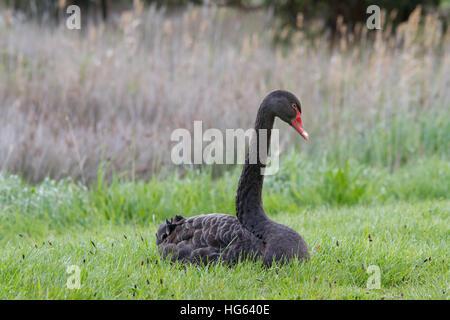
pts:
pixel 297 124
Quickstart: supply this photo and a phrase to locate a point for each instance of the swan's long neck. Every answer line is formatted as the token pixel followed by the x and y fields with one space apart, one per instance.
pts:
pixel 249 206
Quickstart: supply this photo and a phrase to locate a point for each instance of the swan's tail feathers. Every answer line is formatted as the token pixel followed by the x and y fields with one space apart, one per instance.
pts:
pixel 176 219
pixel 167 227
pixel 170 226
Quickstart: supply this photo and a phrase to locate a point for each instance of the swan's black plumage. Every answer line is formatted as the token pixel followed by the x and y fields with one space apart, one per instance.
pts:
pixel 251 234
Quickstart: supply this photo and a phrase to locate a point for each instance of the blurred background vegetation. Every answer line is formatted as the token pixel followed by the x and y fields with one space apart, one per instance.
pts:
pixel 327 11
pixel 112 92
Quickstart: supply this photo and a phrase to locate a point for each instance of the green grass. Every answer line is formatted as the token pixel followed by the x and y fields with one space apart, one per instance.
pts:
pixel 351 216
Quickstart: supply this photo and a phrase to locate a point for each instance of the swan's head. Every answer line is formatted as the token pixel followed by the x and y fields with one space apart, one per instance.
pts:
pixel 287 107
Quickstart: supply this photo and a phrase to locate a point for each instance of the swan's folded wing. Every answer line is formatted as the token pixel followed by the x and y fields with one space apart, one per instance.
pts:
pixel 206 238
pixel 216 230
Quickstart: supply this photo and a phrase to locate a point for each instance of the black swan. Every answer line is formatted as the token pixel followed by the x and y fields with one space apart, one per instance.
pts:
pixel 250 235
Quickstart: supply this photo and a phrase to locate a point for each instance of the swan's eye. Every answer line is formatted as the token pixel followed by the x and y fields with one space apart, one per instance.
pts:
pixel 294 106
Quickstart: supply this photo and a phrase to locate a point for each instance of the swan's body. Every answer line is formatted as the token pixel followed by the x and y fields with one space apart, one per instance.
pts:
pixel 208 237
pixel 251 234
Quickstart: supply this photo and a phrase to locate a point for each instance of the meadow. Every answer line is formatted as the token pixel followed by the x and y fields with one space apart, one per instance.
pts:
pixel 86 176
pixel 351 218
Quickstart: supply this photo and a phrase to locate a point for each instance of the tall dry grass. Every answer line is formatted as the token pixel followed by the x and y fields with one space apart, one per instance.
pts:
pixel 72 99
